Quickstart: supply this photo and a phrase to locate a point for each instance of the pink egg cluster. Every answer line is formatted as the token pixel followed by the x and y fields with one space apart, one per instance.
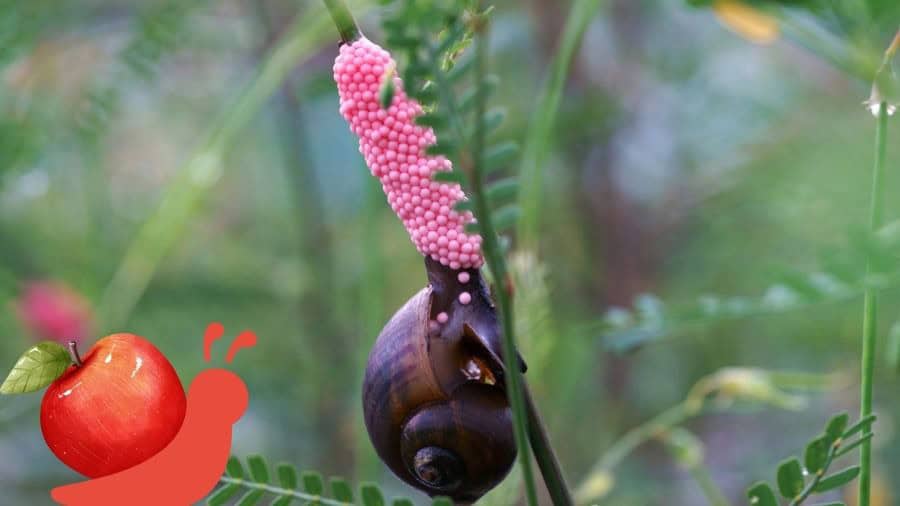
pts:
pixel 394 147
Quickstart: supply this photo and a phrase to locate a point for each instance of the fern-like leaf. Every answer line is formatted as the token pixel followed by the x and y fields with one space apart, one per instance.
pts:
pixel 834 282
pixel 257 485
pixel 800 482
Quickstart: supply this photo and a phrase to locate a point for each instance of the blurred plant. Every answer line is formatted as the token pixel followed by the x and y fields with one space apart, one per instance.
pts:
pixel 160 31
pixel 747 21
pixel 798 482
pixel 842 33
pixel 539 137
pixel 718 392
pixel 534 319
pixel 840 278
pixel 843 277
pixel 870 302
pixel 201 172
pixel 689 452
pixel 886 85
pixel 52 310
pixel 257 484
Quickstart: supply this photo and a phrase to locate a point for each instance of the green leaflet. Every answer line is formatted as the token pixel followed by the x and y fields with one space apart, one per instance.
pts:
pixel 36 368
pixel 798 483
pixel 288 486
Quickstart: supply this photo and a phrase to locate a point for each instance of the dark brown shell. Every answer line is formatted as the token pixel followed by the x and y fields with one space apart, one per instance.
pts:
pixel 433 399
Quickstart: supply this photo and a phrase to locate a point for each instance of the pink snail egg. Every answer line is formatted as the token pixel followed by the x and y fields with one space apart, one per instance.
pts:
pixel 395 149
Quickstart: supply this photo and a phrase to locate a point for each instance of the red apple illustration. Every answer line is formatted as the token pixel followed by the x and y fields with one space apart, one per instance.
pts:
pixel 115 408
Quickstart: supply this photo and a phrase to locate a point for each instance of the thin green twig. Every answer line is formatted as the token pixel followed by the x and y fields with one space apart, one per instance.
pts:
pixel 870 309
pixel 712 491
pixel 836 450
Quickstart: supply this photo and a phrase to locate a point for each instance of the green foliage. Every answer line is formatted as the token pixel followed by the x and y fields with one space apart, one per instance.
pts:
pixel 893 347
pixel 159 31
pixel 20 140
pixel 839 279
pixel 433 37
pixel 285 490
pixel 37 368
pixel 798 482
pixel 21 23
pixel 761 494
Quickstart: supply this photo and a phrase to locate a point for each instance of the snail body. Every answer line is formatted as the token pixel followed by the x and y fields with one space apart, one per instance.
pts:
pixel 433 395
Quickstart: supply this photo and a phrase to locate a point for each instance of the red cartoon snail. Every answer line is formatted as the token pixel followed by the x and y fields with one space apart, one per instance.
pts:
pixel 120 417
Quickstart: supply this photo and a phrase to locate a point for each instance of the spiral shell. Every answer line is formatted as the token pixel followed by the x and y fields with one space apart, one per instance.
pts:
pixel 433 396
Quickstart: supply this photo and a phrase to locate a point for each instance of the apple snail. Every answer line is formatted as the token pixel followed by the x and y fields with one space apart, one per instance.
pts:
pixel 434 400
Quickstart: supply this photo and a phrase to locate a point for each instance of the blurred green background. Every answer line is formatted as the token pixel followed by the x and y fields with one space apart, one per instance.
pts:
pixel 181 162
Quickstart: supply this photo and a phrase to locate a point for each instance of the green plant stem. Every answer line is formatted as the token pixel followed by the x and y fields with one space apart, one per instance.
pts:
pixel 539 136
pixel 496 262
pixel 622 447
pixel 343 20
pixel 543 453
pixel 197 177
pixel 817 477
pixel 672 417
pixel 870 309
pixel 711 491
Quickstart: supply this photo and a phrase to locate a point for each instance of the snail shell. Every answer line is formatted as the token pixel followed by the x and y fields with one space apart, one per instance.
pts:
pixel 433 396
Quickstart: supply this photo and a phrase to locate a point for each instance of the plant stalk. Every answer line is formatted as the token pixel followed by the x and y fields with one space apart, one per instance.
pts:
pixel 343 20
pixel 870 309
pixel 712 492
pixel 495 260
pixel 543 453
pixel 539 138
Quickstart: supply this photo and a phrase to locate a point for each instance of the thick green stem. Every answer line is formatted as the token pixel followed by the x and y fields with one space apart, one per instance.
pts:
pixel 496 262
pixel 343 20
pixel 870 309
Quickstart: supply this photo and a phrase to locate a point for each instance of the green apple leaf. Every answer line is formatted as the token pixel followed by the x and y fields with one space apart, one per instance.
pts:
pixel 37 368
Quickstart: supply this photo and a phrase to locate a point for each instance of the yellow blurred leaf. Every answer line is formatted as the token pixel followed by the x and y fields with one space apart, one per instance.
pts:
pixel 747 21
pixel 594 487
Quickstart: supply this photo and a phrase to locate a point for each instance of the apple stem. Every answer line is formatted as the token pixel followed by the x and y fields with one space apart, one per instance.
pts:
pixel 73 353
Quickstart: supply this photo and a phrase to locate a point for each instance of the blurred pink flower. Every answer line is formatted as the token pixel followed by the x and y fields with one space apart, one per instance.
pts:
pixel 52 310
